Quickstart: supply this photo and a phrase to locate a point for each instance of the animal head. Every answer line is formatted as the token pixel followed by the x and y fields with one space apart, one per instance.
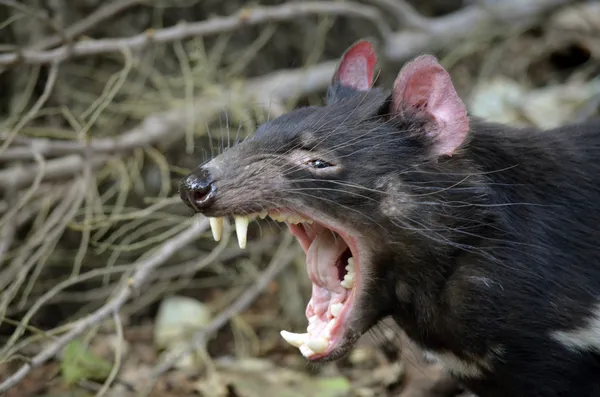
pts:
pixel 356 181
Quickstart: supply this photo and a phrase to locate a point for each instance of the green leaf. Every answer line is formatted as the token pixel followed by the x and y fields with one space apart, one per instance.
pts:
pixel 332 385
pixel 326 387
pixel 78 364
pixel 259 378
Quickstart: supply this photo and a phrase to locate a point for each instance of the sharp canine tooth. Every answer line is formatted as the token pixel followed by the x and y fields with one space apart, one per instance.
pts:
pixel 216 225
pixel 317 345
pixel 293 339
pixel 336 309
pixel 263 214
pixel 241 229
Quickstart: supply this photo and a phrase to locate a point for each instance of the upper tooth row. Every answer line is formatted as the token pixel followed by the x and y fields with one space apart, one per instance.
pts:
pixel 241 224
pixel 295 219
pixel 348 281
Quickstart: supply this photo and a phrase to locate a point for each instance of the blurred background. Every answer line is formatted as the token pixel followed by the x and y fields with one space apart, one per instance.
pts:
pixel 105 278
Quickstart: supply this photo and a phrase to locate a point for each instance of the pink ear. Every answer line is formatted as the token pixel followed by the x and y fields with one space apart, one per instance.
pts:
pixel 356 67
pixel 424 88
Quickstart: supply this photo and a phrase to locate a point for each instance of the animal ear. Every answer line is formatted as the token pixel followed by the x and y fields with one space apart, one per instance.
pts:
pixel 423 88
pixel 354 71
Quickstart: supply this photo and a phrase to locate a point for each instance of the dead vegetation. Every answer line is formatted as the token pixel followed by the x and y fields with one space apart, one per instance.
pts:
pixel 106 104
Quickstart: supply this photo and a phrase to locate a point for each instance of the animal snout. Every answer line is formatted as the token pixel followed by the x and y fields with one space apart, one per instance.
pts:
pixel 197 189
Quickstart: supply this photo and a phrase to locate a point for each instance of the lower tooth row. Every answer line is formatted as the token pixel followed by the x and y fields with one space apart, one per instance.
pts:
pixel 307 344
pixel 241 224
pixel 317 345
pixel 304 341
pixel 336 309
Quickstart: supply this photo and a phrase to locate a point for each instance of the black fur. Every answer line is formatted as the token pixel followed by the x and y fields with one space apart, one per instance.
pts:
pixel 494 247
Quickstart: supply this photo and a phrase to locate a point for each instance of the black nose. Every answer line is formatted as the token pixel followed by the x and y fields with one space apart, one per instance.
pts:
pixel 197 189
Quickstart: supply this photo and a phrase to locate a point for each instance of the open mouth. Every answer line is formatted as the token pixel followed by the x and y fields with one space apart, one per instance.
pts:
pixel 332 265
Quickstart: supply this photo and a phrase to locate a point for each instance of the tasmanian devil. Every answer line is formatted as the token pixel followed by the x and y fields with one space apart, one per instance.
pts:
pixel 482 241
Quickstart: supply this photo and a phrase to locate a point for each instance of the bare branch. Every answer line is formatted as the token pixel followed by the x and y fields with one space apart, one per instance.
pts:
pixel 153 129
pixel 168 273
pixel 281 259
pixel 247 17
pixel 102 14
pixel 457 26
pixel 48 87
pixel 18 176
pixel 404 14
pixel 133 284
pixel 118 356
pixel 278 86
pixel 44 238
pixel 30 11
pixel 7 232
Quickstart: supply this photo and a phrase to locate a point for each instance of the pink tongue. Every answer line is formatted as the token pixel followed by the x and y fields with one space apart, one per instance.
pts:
pixel 321 259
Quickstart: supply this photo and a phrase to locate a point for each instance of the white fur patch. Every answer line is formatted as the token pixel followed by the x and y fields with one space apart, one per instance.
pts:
pixel 583 338
pixel 460 367
pixel 430 357
pixel 455 365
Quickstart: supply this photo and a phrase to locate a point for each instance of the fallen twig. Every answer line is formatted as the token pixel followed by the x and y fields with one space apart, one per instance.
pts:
pixel 283 85
pixel 278 87
pixel 48 87
pixel 7 232
pixel 167 274
pixel 80 27
pixel 143 269
pixel 102 14
pixel 246 17
pixel 456 26
pixel 19 176
pixel 40 17
pixel 281 259
pixel 404 14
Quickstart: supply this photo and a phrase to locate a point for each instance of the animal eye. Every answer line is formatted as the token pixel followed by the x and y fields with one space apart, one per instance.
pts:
pixel 318 164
